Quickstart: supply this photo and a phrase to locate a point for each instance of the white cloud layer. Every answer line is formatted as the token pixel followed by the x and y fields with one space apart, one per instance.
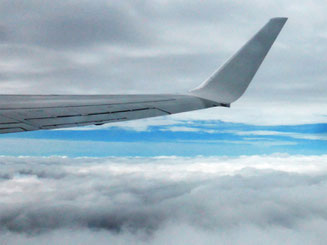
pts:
pixel 287 134
pixel 163 200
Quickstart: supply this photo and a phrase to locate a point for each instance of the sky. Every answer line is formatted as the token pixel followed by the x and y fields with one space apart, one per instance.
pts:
pixel 252 172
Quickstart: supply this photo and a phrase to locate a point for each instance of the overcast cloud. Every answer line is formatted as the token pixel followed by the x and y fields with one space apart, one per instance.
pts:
pixel 163 200
pixel 166 46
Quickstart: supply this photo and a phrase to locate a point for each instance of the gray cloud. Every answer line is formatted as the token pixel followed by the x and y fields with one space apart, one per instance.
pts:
pixel 71 24
pixel 150 200
pixel 87 47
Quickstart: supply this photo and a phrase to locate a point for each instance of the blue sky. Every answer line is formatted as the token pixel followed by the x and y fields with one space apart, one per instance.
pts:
pixel 180 138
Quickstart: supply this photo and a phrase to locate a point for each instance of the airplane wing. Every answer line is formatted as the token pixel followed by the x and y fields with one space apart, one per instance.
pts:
pixel 19 113
pixel 24 113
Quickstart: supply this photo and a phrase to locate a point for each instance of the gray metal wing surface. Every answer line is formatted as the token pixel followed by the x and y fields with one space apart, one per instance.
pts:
pixel 19 113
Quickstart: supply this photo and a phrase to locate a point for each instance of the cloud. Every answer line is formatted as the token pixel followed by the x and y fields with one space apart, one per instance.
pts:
pixel 186 129
pixel 165 47
pixel 285 134
pixel 51 25
pixel 152 200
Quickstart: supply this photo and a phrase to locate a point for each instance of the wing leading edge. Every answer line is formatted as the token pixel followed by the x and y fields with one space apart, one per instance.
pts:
pixel 19 113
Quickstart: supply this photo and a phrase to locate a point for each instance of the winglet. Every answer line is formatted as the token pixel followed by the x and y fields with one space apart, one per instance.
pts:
pixel 230 81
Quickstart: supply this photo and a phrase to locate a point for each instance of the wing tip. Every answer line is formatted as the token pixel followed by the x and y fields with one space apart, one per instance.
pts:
pixel 281 20
pixel 231 80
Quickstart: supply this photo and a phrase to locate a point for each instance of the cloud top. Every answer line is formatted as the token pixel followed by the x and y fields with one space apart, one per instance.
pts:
pixel 150 200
